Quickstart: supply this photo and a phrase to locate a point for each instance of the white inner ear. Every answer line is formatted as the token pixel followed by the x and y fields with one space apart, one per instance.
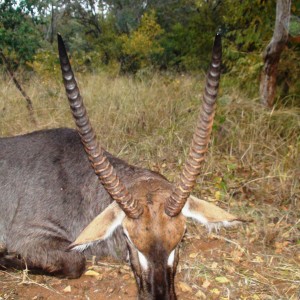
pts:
pixel 208 214
pixel 116 222
pixel 81 248
pixel 187 212
pixel 101 228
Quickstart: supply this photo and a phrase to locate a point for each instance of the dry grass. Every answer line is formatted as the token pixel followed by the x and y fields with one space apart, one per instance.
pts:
pixel 253 168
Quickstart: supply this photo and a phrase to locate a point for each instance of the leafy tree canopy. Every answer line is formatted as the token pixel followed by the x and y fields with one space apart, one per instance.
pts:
pixel 19 36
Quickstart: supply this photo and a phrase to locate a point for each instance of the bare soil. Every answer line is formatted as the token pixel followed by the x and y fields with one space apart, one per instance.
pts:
pixel 211 266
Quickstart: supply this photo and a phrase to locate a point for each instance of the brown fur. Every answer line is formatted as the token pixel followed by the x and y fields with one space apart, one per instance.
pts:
pixel 154 225
pixel 155 235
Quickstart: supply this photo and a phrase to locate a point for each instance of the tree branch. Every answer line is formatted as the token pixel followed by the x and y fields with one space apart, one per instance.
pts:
pixel 11 74
pixel 273 51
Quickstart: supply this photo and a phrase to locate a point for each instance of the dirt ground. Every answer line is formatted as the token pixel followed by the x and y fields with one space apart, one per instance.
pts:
pixel 232 264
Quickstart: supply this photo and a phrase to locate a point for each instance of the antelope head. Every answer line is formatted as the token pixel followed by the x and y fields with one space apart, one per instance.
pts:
pixel 151 210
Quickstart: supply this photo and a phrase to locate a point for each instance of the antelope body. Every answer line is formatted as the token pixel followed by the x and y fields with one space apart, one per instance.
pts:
pixel 51 200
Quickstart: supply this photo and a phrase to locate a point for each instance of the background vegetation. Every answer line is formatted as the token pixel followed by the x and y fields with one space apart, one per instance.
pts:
pixel 140 37
pixel 140 66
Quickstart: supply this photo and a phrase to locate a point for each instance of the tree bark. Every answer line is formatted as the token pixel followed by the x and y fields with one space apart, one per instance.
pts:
pixel 273 51
pixel 52 24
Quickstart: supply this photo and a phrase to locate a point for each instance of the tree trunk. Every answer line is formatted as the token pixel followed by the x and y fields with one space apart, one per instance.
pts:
pixel 52 24
pixel 273 51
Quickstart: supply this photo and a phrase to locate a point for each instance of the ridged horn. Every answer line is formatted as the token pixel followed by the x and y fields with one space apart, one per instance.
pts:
pixel 199 145
pixel 103 168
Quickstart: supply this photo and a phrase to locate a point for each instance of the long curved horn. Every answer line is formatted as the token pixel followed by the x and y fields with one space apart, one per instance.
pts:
pixel 103 168
pixel 198 148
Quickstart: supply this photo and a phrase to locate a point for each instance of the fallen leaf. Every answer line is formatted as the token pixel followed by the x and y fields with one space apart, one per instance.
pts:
pixel 237 255
pixel 258 259
pixel 222 279
pixel 184 287
pixel 193 255
pixel 230 269
pixel 126 276
pixel 123 271
pixel 280 246
pixel 92 273
pixel 215 291
pixel 206 284
pixel 261 278
pixel 67 289
pixel 200 295
pixel 218 195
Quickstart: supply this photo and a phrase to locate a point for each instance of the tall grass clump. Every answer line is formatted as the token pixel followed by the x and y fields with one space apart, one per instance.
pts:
pixel 150 122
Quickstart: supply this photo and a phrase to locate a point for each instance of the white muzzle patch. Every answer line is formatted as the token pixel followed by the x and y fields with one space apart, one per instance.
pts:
pixel 171 258
pixel 143 261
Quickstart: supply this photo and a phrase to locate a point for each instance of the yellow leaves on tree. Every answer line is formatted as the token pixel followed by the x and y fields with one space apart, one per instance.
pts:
pixel 142 43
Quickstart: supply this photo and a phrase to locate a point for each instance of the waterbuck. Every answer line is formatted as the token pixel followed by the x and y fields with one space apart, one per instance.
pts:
pixel 51 200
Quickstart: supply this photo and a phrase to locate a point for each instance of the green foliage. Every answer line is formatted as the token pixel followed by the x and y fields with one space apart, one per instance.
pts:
pixel 127 14
pixel 187 47
pixel 138 37
pixel 248 24
pixel 294 29
pixel 288 84
pixel 142 45
pixel 45 65
pixel 109 44
pixel 247 28
pixel 189 30
pixel 19 39
pixel 95 53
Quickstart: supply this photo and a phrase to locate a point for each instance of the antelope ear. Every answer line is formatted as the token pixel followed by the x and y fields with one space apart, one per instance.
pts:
pixel 208 214
pixel 100 228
